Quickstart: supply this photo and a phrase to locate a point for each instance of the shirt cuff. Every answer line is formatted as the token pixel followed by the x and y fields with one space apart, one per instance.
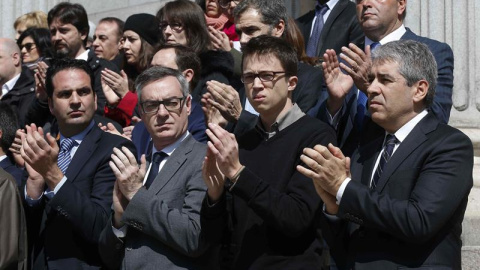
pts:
pixel 49 194
pixel 120 232
pixel 30 201
pixel 342 189
pixel 331 218
pixel 335 119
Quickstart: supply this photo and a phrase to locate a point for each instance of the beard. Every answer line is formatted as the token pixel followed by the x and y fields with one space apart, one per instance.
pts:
pixel 63 52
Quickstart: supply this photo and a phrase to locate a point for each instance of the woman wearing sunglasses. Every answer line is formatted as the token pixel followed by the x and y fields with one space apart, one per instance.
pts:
pixel 35 46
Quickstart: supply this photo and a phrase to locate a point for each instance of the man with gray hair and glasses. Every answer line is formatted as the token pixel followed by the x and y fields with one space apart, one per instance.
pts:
pixel 156 204
pixel 400 201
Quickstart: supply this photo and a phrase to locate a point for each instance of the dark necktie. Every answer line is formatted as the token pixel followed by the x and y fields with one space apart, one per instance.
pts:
pixel 64 157
pixel 312 45
pixel 156 160
pixel 374 45
pixel 388 146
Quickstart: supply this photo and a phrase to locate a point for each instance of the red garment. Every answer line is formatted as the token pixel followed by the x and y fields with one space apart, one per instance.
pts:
pixel 229 29
pixel 124 111
pixel 217 23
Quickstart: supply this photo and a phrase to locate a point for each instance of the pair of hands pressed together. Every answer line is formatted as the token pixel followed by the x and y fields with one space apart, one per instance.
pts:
pixel 114 86
pixel 221 160
pixel 326 165
pixel 221 104
pixel 40 155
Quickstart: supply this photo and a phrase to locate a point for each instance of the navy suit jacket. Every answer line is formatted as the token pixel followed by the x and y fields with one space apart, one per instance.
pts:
pixel 65 230
pixel 340 28
pixel 414 216
pixel 348 135
pixel 12 169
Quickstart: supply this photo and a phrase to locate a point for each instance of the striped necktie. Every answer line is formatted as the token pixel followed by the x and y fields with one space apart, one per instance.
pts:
pixel 64 157
pixel 388 147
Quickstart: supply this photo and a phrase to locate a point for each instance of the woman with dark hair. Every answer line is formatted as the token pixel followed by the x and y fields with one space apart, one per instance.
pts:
pixel 140 36
pixel 183 22
pixel 35 45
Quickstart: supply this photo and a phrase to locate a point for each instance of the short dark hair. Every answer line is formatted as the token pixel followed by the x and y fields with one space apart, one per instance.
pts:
pixel 192 18
pixel 269 45
pixel 186 58
pixel 116 21
pixel 272 11
pixel 42 39
pixel 74 14
pixel 415 62
pixel 8 126
pixel 58 65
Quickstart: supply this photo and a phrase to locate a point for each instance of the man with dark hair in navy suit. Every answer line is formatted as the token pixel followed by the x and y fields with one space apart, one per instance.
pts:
pixel 69 187
pixel 382 22
pixel 8 127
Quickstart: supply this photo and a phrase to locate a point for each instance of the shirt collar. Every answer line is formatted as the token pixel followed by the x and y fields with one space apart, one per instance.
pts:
pixel 170 148
pixel 393 36
pixel 331 4
pixel 83 56
pixel 290 117
pixel 78 138
pixel 403 132
pixel 10 84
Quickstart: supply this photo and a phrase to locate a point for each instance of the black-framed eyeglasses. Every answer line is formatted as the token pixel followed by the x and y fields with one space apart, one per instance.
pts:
pixel 177 27
pixel 171 104
pixel 264 76
pixel 28 46
pixel 226 3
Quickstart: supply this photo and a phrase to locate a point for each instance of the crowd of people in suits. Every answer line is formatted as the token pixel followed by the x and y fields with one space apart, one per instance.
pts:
pixel 223 134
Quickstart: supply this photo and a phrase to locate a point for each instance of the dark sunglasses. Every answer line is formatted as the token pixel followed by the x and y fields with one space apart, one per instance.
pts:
pixel 29 46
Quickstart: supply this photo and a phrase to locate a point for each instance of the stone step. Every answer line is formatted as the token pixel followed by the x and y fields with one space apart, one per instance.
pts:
pixel 470 257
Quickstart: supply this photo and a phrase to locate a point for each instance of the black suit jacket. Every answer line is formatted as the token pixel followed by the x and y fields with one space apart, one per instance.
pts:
pixel 21 95
pixel 340 29
pixel 65 230
pixel 414 216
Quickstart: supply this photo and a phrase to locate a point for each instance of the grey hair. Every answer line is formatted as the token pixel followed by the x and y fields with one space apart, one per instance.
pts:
pixel 272 11
pixel 157 73
pixel 415 62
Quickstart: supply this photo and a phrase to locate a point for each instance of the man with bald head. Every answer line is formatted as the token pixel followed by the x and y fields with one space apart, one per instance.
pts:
pixel 17 83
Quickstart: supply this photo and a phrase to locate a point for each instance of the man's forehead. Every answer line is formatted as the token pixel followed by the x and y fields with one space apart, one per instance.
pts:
pixel 254 17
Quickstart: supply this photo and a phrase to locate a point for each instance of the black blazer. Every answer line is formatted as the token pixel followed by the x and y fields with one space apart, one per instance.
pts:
pixel 65 230
pixel 414 216
pixel 340 29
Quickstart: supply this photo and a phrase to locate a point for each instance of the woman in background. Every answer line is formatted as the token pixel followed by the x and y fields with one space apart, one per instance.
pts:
pixel 35 45
pixel 140 37
pixel 183 22
pixel 32 19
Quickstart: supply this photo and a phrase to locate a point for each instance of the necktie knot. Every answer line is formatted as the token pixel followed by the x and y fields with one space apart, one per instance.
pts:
pixel 64 157
pixel 66 144
pixel 374 45
pixel 321 9
pixel 156 160
pixel 391 140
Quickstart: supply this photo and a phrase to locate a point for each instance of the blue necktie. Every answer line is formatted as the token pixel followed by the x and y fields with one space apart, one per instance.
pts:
pixel 388 146
pixel 64 157
pixel 374 45
pixel 156 160
pixel 312 45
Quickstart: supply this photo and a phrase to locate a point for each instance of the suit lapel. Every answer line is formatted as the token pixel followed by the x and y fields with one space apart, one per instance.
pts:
pixel 173 164
pixel 339 7
pixel 83 153
pixel 368 154
pixel 416 137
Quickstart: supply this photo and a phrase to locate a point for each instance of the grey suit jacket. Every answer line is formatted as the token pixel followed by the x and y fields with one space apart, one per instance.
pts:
pixel 164 221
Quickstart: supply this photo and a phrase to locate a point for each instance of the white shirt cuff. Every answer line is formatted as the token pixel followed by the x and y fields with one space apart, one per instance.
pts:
pixel 50 193
pixel 334 120
pixel 120 232
pixel 30 201
pixel 342 189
